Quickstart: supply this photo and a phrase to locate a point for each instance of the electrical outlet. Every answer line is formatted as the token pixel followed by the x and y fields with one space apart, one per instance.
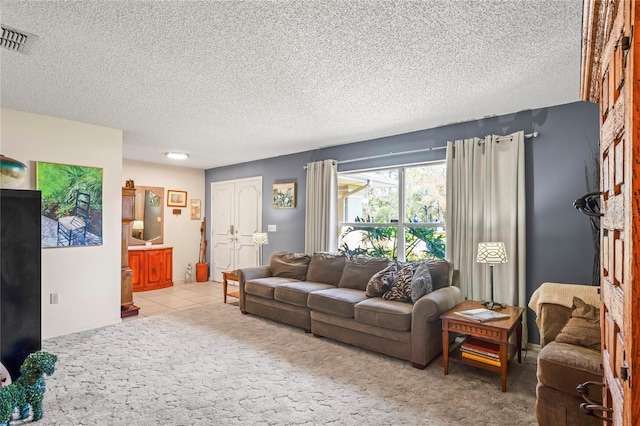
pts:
pixel 53 298
pixel 271 228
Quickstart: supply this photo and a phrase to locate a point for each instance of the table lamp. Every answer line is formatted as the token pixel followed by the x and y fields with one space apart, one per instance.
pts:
pixel 492 253
pixel 138 229
pixel 260 238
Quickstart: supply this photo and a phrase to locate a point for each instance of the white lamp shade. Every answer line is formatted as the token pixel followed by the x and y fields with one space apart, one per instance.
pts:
pixel 260 238
pixel 137 224
pixel 492 253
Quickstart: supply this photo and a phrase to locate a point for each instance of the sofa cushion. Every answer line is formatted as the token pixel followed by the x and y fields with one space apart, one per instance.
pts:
pixel 384 313
pixel 583 327
pixel 296 292
pixel 441 272
pixel 264 287
pixel 289 265
pixel 421 283
pixel 326 268
pixel 379 283
pixel 400 289
pixel 563 366
pixel 336 301
pixel 358 270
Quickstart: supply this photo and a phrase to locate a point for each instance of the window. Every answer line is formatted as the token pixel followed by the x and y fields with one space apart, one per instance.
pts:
pixel 376 207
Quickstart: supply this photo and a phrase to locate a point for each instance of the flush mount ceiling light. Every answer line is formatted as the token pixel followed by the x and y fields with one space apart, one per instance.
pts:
pixel 177 155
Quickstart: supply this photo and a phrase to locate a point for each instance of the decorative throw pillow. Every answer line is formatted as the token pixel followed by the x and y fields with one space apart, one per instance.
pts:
pixel 359 269
pixel 289 265
pixel 583 327
pixel 400 289
pixel 381 281
pixel 421 283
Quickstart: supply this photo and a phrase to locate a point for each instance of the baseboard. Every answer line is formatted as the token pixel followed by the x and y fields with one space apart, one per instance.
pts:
pixel 533 347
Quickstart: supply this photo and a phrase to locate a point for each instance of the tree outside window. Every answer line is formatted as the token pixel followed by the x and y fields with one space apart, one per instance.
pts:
pixel 371 203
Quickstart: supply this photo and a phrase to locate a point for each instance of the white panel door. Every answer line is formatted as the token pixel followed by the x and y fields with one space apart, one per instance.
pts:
pixel 236 208
pixel 248 214
pixel 222 238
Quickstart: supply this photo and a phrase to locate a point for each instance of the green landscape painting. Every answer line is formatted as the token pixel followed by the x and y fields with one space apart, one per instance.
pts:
pixel 71 204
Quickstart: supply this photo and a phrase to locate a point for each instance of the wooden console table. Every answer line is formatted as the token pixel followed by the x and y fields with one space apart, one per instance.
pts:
pixel 230 276
pixel 496 331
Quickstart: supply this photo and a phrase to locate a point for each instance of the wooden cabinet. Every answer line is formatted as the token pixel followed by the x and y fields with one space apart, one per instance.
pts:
pixel 152 269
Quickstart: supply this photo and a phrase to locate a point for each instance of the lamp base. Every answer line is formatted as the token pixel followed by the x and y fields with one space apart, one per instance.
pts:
pixel 491 305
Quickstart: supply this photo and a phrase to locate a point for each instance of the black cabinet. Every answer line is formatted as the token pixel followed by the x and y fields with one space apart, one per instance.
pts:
pixel 20 289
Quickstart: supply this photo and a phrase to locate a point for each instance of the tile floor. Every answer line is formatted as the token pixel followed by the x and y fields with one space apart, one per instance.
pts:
pixel 179 296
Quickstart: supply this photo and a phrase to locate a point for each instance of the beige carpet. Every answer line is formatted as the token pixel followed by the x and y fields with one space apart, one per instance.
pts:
pixel 212 365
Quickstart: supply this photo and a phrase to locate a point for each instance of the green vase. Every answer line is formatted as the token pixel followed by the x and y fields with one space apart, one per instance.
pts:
pixel 12 172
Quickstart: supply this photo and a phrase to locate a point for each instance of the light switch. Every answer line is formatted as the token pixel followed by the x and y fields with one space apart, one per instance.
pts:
pixel 271 228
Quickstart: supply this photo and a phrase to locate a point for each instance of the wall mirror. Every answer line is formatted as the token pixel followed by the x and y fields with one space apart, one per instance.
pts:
pixel 148 218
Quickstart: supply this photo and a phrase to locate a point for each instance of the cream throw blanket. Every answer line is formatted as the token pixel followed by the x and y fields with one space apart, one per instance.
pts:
pixel 562 294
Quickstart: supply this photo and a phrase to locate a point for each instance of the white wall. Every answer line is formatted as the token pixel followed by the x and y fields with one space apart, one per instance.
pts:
pixel 86 278
pixel 180 232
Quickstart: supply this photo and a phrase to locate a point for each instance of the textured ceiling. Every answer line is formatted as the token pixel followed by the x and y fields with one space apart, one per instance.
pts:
pixel 235 81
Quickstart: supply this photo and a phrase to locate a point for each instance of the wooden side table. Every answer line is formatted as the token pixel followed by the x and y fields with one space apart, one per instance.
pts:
pixel 497 331
pixel 230 276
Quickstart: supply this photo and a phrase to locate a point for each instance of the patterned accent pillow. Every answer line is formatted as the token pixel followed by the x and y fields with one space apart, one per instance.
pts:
pixel 422 282
pixel 400 289
pixel 380 282
pixel 583 327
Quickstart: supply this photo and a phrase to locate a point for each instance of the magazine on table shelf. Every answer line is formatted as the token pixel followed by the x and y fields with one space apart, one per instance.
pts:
pixel 482 314
pixel 481 347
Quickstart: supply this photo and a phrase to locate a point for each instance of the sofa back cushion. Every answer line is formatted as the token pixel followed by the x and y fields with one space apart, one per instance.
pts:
pixel 289 265
pixel 441 273
pixel 358 270
pixel 326 268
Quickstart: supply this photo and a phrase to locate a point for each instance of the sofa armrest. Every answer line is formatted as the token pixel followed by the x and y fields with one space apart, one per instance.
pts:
pixel 426 326
pixel 431 306
pixel 248 274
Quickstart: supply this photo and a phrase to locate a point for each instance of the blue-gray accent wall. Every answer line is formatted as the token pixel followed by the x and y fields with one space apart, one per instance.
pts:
pixel 559 243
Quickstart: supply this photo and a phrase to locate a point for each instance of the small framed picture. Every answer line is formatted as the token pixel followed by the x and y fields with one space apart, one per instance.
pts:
pixel 284 195
pixel 195 209
pixel 176 198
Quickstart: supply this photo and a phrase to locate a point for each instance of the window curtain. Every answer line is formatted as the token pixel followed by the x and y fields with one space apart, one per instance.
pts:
pixel 486 202
pixel 321 215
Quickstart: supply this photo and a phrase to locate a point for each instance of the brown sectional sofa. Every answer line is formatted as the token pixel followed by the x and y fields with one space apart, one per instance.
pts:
pixel 325 294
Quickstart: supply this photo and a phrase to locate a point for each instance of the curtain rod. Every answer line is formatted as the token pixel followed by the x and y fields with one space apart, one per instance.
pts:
pixel 390 154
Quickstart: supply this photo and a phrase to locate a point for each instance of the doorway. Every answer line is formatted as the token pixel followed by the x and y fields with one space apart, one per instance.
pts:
pixel 236 213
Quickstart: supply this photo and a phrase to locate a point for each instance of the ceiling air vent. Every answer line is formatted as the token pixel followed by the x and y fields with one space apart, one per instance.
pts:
pixel 15 40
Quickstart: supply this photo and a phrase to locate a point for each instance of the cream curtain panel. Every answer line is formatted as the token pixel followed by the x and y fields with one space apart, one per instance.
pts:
pixel 486 202
pixel 321 216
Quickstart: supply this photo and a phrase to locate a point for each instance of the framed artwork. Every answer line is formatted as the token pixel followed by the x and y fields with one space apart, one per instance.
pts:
pixel 71 204
pixel 284 195
pixel 176 198
pixel 195 209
